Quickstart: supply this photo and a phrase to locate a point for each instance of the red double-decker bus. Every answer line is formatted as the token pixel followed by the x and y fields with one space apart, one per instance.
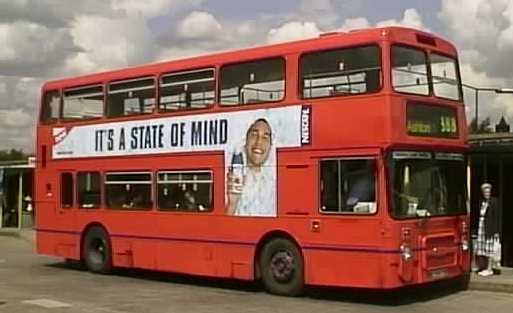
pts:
pixel 337 161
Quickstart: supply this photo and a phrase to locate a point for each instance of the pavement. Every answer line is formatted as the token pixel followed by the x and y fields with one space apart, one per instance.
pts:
pixel 26 234
pixel 495 283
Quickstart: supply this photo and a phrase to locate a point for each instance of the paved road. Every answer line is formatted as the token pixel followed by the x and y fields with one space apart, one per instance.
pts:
pixel 31 283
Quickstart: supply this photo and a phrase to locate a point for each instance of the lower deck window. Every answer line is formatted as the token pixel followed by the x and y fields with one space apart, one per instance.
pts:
pixel 128 190
pixel 88 189
pixel 185 191
pixel 348 186
pixel 66 190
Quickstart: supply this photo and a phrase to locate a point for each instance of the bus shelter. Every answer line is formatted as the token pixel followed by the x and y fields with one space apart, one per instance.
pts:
pixel 16 187
pixel 491 160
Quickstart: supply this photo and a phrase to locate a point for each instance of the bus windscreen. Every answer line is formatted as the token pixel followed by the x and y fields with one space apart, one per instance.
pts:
pixel 427 184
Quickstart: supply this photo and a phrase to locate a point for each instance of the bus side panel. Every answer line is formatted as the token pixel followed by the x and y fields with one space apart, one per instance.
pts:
pixel 208 259
pixel 337 268
pixel 204 245
pixel 58 244
pixel 345 252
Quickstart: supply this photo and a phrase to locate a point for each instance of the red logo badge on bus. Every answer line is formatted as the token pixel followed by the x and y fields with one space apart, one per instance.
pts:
pixel 59 133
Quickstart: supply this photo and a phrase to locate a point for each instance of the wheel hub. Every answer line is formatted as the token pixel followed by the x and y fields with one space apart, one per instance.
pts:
pixel 98 251
pixel 283 266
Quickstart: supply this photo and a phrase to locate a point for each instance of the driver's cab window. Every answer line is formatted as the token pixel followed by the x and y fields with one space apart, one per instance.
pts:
pixel 348 186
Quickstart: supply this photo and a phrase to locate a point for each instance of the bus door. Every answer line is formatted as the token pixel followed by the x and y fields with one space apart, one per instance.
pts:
pixel 63 222
pixel 65 202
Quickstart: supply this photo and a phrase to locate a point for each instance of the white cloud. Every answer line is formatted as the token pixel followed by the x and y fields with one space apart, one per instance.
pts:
pixel 15 118
pixel 474 20
pixel 150 8
pixel 354 23
pixel 327 14
pixel 411 18
pixel 25 40
pixel 145 8
pixel 179 53
pixel 483 32
pixel 109 43
pixel 506 36
pixel 246 28
pixel 18 107
pixel 29 48
pixel 198 25
pixel 293 31
pixel 484 26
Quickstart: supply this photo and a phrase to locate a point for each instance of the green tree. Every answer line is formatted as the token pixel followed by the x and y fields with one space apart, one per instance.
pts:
pixel 12 155
pixel 484 127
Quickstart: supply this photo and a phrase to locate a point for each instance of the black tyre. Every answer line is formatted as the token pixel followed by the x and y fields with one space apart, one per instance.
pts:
pixel 281 267
pixel 97 251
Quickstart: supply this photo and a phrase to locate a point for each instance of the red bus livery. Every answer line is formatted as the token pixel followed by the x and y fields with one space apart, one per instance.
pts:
pixel 337 161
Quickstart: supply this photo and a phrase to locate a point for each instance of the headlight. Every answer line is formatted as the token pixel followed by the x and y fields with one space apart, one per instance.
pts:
pixel 406 252
pixel 464 245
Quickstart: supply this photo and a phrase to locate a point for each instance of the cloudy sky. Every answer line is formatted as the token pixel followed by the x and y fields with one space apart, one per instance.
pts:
pixel 47 39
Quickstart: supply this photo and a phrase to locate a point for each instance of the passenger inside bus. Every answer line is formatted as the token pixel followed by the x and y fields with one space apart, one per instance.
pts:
pixel 179 198
pixel 361 190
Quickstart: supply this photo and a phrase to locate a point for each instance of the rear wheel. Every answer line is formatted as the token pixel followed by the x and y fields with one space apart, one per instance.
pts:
pixel 97 251
pixel 281 267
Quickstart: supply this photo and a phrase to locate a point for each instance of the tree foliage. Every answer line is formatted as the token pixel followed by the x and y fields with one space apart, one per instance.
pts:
pixel 13 155
pixel 484 126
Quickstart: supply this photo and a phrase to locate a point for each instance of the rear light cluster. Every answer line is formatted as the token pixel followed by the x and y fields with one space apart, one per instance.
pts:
pixel 406 252
pixel 406 255
pixel 465 243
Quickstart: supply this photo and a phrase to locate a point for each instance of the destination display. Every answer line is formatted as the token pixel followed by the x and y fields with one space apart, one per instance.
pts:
pixel 431 121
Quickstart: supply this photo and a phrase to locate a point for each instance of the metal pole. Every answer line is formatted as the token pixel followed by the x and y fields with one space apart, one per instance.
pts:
pixel 20 200
pixel 477 109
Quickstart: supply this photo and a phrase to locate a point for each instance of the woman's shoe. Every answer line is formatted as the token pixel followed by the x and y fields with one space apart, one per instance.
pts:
pixel 485 273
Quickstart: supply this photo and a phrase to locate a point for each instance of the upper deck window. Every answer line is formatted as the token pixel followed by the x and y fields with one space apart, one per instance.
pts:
pixel 84 102
pixel 446 83
pixel 340 72
pixel 253 82
pixel 51 106
pixel 131 97
pixel 409 70
pixel 188 89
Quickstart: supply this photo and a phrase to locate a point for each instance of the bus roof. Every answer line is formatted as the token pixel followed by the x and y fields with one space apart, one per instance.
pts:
pixel 323 41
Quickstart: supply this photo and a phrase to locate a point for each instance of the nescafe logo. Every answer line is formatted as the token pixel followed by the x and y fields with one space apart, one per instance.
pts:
pixel 306 120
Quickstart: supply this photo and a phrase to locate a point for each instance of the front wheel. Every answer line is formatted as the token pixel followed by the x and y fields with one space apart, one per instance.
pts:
pixel 96 251
pixel 281 266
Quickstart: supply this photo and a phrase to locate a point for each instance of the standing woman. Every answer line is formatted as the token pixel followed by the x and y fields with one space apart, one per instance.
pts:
pixel 489 230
